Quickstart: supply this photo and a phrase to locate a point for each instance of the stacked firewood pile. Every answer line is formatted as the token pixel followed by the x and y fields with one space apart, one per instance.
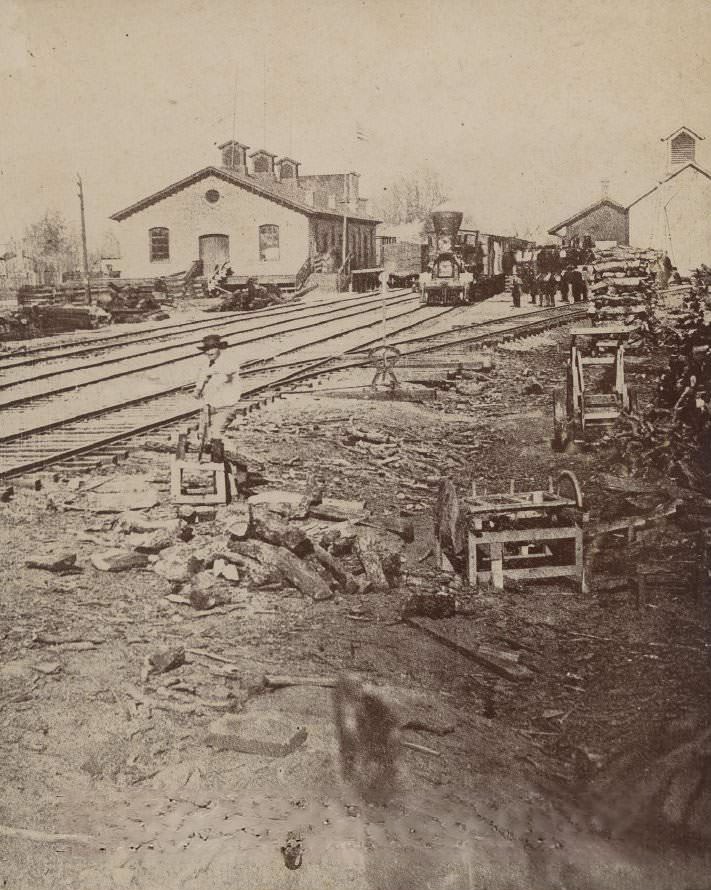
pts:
pixel 673 438
pixel 622 290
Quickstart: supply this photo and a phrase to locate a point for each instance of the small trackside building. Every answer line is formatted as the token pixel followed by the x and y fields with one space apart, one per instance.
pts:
pixel 605 220
pixel 259 215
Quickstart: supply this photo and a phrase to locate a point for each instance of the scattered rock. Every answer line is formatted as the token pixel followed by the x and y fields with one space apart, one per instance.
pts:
pixel 55 561
pixel 47 667
pixel 206 592
pixel 223 569
pixel 430 605
pixel 532 387
pixel 122 502
pixel 118 560
pixel 177 563
pixel 134 521
pixel 235 519
pixel 151 542
pixel 165 660
pixel 257 732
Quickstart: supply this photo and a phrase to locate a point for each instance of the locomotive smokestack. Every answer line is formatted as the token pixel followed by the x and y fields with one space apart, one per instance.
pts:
pixel 447 222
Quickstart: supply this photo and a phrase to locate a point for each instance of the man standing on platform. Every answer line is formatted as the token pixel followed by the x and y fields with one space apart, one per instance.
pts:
pixel 218 386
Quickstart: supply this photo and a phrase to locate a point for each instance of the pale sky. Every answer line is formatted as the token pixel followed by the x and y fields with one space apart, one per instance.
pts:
pixel 522 106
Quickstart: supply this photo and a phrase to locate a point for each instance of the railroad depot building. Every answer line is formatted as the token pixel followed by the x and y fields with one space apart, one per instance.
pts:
pixel 256 211
pixel 605 220
pixel 675 215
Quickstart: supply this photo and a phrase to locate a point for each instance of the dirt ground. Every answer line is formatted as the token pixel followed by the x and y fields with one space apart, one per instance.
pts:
pixel 556 781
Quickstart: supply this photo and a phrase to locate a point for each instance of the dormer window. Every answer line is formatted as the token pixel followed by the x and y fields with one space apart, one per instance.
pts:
pixel 262 161
pixel 288 169
pixel 234 155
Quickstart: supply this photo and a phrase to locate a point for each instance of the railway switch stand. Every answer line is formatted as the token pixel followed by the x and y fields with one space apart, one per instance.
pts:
pixel 194 481
pixel 384 358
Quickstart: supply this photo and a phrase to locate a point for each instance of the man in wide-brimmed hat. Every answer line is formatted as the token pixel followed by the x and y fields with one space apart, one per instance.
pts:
pixel 219 384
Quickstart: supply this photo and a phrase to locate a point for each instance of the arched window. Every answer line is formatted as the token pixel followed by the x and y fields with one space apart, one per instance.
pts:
pixel 268 243
pixel 159 243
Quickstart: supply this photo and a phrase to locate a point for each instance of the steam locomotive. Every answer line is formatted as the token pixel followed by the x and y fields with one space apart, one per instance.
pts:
pixel 460 267
pixel 449 280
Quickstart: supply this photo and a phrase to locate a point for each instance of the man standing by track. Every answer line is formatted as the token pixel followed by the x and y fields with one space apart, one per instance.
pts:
pixel 218 385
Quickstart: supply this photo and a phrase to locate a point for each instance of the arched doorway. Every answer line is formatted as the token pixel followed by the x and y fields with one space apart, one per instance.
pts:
pixel 214 251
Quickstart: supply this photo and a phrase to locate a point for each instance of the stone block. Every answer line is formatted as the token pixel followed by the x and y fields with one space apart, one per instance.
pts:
pixel 118 560
pixel 54 561
pixel 266 734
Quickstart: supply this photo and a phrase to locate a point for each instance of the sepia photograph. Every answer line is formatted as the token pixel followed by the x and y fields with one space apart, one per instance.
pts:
pixel 355 445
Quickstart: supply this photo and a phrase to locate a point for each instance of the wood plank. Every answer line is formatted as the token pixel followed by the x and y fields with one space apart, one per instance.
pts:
pixel 525 535
pixel 459 634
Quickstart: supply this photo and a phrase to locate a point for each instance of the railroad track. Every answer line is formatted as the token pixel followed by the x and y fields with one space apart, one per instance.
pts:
pixel 54 438
pixel 39 402
pixel 106 429
pixel 107 351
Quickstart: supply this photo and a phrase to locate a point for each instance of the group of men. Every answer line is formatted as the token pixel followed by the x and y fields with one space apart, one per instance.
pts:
pixel 571 283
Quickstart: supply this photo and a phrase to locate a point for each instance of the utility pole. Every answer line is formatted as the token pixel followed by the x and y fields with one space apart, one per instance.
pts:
pixel 83 239
pixel 346 196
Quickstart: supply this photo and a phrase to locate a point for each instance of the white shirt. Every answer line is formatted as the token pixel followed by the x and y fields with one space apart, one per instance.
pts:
pixel 220 381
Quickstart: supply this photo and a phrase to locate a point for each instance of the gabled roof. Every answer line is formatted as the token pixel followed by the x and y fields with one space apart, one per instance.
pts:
pixel 232 142
pixel 272 190
pixel 671 176
pixel 582 213
pixel 262 151
pixel 681 130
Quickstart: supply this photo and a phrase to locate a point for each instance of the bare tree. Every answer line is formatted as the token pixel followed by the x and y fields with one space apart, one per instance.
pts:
pixel 53 245
pixel 412 197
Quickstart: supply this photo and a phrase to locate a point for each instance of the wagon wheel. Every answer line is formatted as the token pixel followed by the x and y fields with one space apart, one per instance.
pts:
pixel 384 357
pixel 560 420
pixel 567 480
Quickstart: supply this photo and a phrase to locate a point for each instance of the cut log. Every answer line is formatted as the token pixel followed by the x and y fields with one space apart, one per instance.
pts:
pixel 367 549
pixel 449 522
pixel 290 567
pixel 329 562
pixel 269 528
pixel 313 495
pixel 281 681
pixel 354 433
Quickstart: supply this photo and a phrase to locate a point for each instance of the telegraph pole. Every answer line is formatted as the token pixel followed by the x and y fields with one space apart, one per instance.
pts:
pixel 83 239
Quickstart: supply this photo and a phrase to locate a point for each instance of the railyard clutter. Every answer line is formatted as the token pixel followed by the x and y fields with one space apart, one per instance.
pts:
pixel 303 680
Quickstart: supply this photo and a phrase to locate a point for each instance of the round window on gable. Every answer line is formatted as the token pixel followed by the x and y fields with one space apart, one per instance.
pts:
pixel 212 196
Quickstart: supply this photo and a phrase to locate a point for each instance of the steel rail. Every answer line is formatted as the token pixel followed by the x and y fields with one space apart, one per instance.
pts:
pixel 311 368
